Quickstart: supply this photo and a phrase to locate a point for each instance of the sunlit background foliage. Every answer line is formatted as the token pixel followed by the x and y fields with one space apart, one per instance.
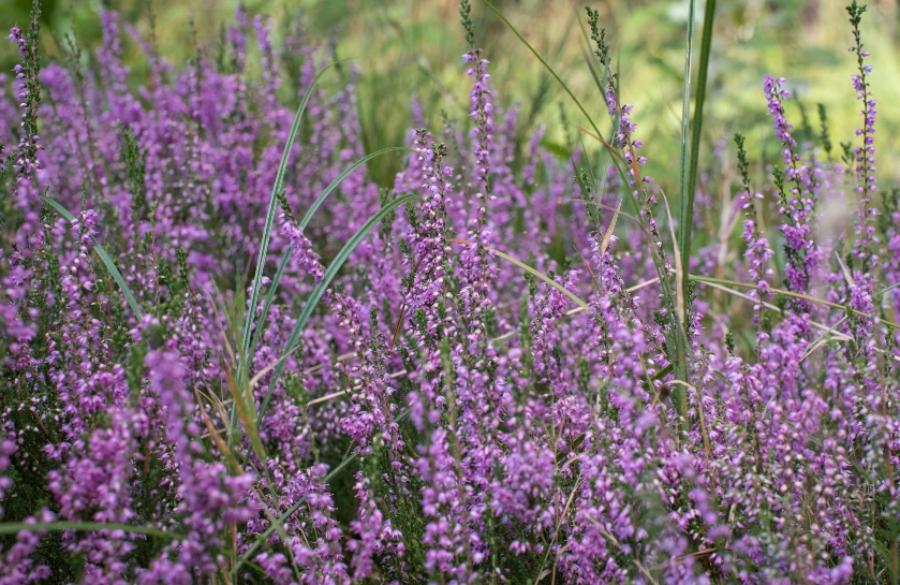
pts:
pixel 416 45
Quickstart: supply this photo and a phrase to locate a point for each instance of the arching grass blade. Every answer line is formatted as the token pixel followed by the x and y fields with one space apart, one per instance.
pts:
pixel 270 217
pixel 334 184
pixel 316 294
pixel 273 287
pixel 105 257
pixel 545 64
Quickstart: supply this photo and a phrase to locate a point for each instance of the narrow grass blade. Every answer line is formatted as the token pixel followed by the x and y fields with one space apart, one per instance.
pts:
pixel 334 184
pixel 776 309
pixel 607 237
pixel 273 287
pixel 687 206
pixel 233 464
pixel 528 269
pixel 242 398
pixel 609 147
pixel 888 289
pixel 679 264
pixel 270 216
pixel 16 527
pixel 737 284
pixel 686 121
pixel 689 167
pixel 579 309
pixel 542 276
pixel 107 260
pixel 848 277
pixel 270 298
pixel 545 64
pixel 316 294
pixel 120 280
pixel 58 208
pixel 823 340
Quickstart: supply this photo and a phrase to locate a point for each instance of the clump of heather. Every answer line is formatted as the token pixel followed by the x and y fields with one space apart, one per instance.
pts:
pixel 203 381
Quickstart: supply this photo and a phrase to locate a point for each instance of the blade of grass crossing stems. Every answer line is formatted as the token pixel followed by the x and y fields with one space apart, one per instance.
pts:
pixel 270 216
pixel 545 64
pixel 659 268
pixel 319 290
pixel 689 164
pixel 687 208
pixel 610 230
pixel 107 260
pixel 888 289
pixel 543 277
pixel 679 264
pixel 312 209
pixel 686 114
pixel 273 287
pixel 242 397
pixel 788 293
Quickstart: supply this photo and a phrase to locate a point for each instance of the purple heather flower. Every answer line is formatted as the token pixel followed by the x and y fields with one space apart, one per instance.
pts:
pixel 488 420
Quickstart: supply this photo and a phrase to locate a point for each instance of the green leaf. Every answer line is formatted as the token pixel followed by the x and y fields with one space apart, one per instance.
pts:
pixel 558 150
pixel 687 206
pixel 334 184
pixel 270 298
pixel 689 165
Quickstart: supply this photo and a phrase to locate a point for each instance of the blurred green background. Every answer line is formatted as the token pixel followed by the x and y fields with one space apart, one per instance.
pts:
pixel 413 47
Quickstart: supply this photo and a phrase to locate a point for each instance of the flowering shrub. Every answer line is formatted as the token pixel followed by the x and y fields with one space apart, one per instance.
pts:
pixel 199 387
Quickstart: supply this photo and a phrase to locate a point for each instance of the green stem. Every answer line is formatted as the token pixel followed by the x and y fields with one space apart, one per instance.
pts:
pixel 679 395
pixel 689 164
pixel 687 208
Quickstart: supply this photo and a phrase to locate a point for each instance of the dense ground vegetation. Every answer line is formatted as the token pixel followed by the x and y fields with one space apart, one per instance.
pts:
pixel 230 356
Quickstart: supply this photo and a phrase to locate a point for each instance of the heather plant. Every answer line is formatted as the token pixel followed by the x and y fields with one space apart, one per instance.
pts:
pixel 230 356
